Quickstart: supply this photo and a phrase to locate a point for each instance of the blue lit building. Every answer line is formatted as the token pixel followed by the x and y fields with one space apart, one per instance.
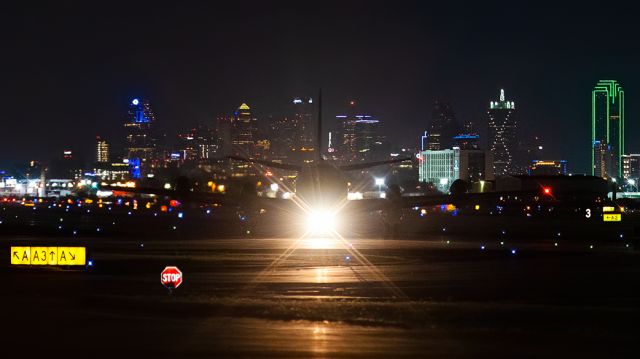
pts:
pixel 140 144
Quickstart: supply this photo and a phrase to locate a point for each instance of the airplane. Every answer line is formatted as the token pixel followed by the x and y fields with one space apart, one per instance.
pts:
pixel 321 190
pixel 321 187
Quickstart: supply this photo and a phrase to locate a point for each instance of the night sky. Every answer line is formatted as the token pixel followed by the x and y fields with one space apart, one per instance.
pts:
pixel 69 70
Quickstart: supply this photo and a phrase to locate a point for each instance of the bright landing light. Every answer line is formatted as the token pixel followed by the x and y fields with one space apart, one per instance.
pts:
pixel 321 222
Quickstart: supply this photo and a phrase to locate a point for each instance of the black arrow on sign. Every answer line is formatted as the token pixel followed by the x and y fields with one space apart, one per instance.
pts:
pixel 72 256
pixel 15 254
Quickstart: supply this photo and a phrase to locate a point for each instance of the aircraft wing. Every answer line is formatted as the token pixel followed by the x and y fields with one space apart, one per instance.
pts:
pixel 376 204
pixel 192 196
pixel 142 190
pixel 282 166
pixel 361 166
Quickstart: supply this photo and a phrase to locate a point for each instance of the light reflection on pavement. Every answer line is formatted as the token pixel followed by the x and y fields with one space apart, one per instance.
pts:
pixel 242 297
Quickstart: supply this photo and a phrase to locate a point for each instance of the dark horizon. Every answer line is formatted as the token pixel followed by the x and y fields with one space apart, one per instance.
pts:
pixel 71 69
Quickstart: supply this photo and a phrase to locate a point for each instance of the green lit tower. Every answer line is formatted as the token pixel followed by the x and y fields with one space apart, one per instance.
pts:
pixel 607 128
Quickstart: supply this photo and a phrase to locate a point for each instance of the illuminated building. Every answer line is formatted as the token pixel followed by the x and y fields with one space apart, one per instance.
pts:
pixel 59 187
pixel 443 127
pixel 528 149
pixel 187 147
pixel 198 144
pixel 468 138
pixel 223 135
pixel 476 165
pixel 548 168
pixel 607 129
pixel 304 129
pixel 263 148
pixel 440 167
pixel 405 171
pixel 501 137
pixel 292 138
pixel 65 166
pixel 282 135
pixel 359 137
pixel 243 140
pixel 631 166
pixel 102 150
pixel 243 132
pixel 467 141
pixel 140 144
pixel 115 171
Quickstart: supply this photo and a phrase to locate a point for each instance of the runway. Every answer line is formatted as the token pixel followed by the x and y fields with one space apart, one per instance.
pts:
pixel 442 296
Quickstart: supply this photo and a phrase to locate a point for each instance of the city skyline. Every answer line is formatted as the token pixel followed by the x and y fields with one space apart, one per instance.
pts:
pixel 67 99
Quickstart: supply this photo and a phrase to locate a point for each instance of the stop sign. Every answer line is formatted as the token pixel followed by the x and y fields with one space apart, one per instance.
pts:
pixel 171 277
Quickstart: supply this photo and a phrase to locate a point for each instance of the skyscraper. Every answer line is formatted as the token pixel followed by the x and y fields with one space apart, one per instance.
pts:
pixel 304 129
pixel 359 136
pixel 243 139
pixel 443 127
pixel 102 150
pixel 223 135
pixel 197 144
pixel 140 144
pixel 501 136
pixel 243 131
pixel 607 128
pixel 631 166
pixel 468 138
pixel 282 133
pixel 439 167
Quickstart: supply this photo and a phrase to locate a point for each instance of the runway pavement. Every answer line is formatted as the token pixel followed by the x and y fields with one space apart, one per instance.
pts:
pixel 442 296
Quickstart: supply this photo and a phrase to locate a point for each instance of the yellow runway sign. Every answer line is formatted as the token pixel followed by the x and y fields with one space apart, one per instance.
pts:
pixel 612 217
pixel 52 256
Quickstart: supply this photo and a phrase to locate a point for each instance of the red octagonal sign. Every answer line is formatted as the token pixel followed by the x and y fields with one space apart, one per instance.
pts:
pixel 171 277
